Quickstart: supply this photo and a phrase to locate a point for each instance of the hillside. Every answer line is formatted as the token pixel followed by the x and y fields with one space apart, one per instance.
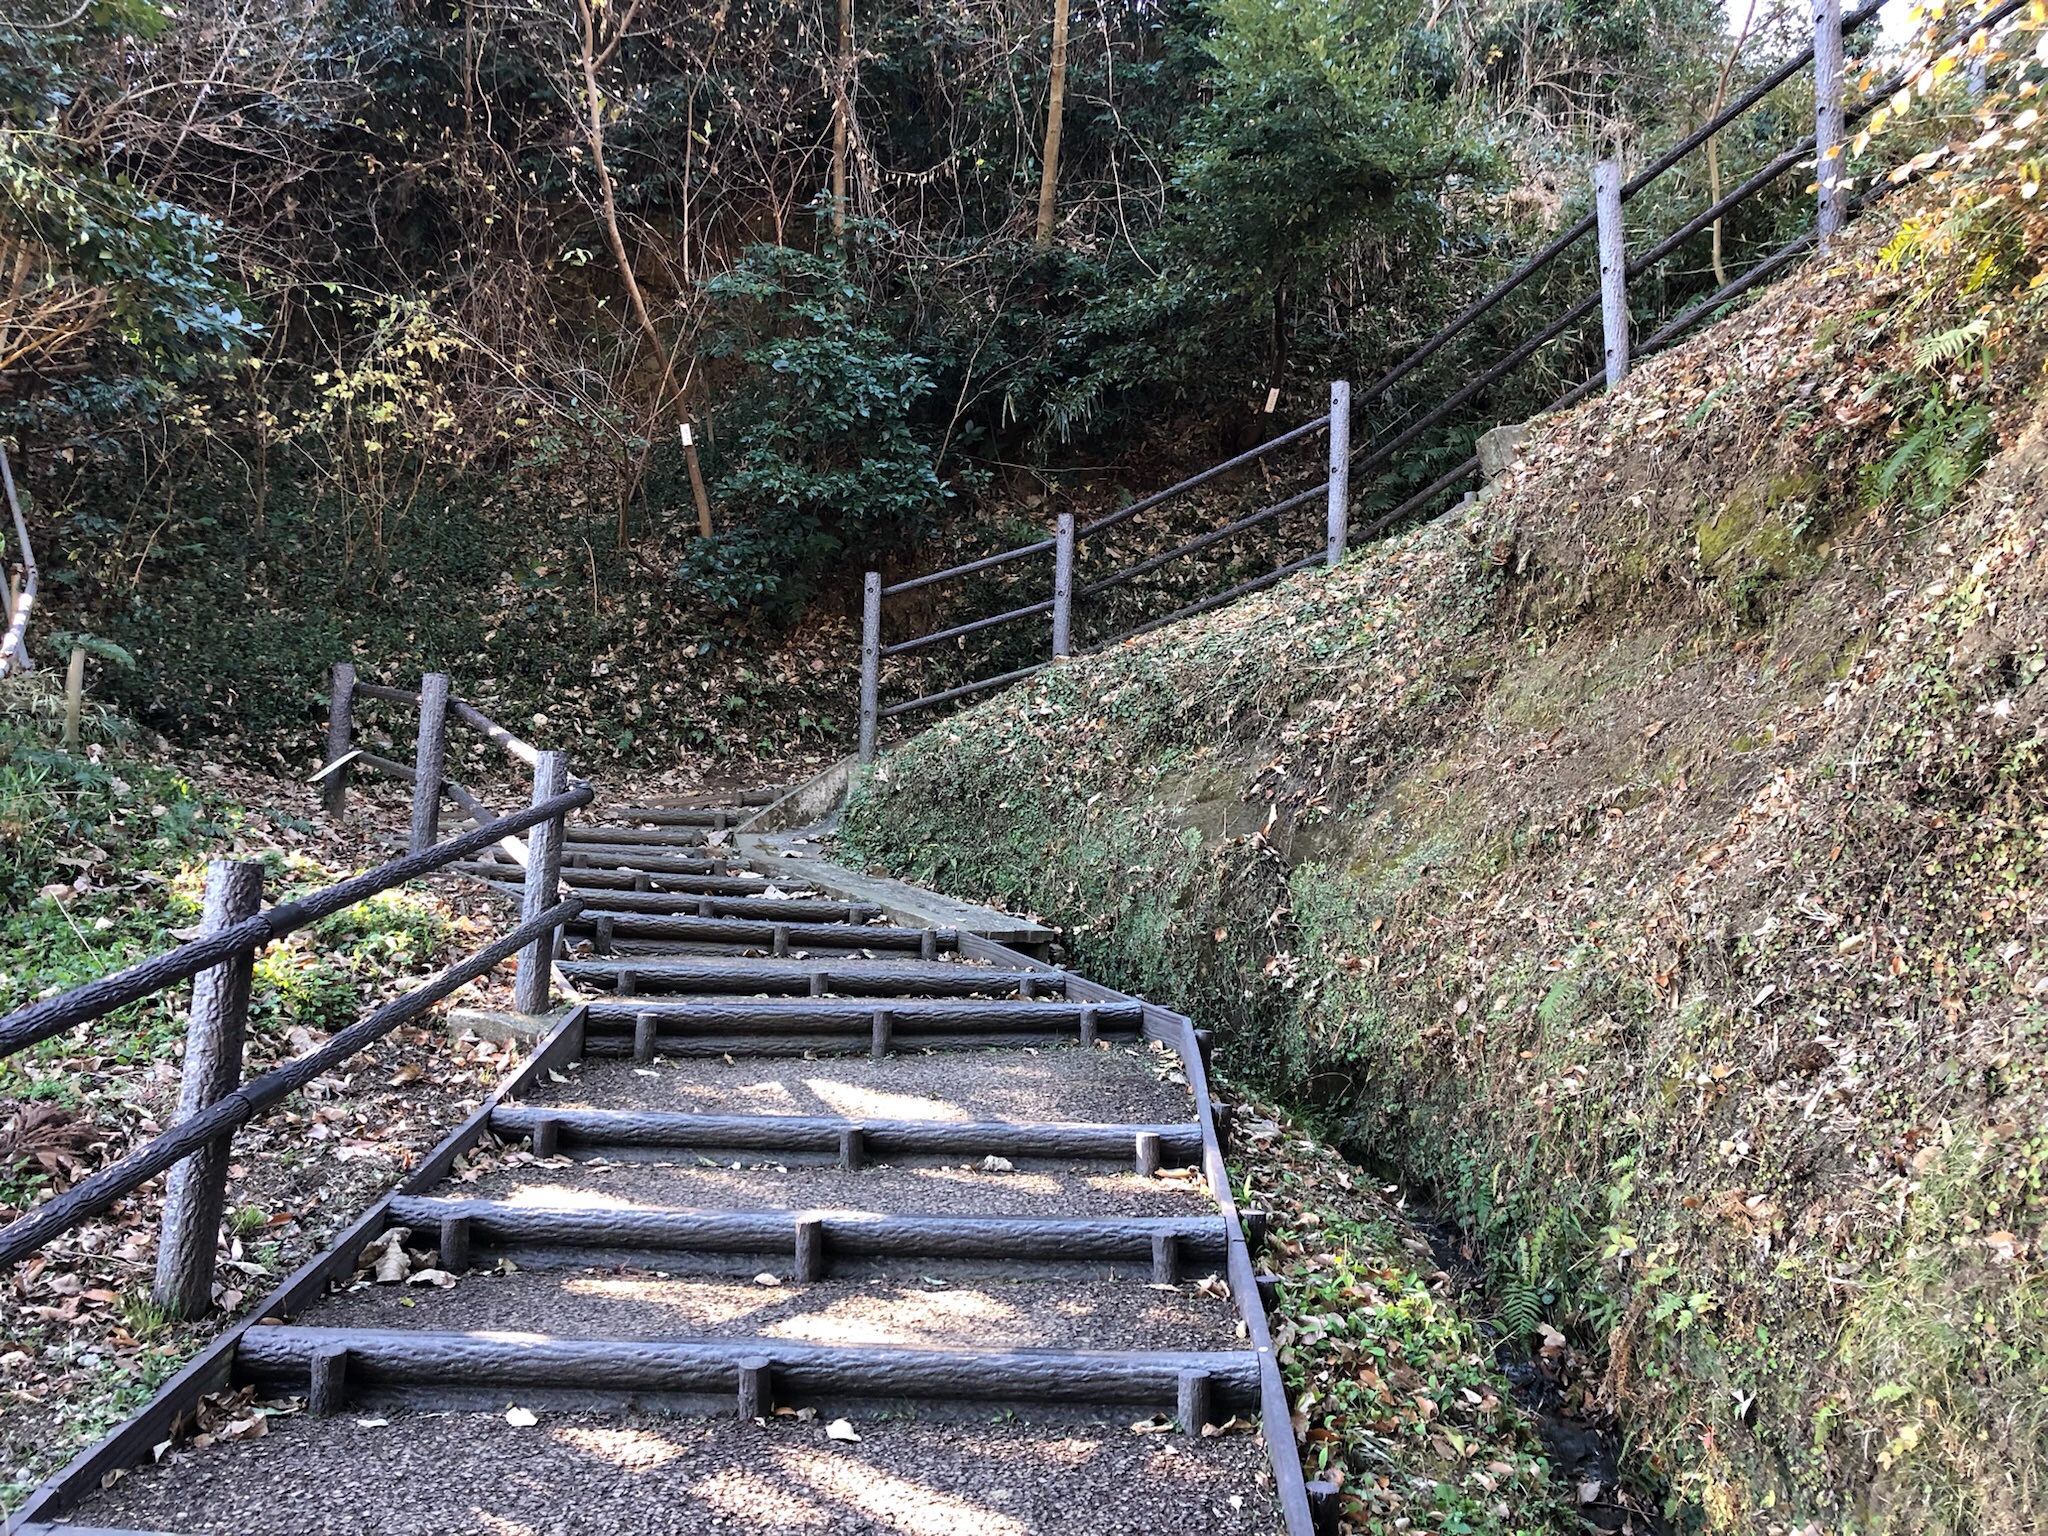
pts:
pixel 1646 864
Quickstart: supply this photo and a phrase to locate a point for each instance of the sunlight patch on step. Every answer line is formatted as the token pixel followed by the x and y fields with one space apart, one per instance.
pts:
pixel 565 1197
pixel 915 1319
pixel 746 1494
pixel 633 1449
pixel 854 1102
pixel 917 1509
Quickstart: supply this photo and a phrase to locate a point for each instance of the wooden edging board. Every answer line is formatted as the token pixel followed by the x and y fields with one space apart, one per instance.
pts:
pixel 211 1369
pixel 1177 1032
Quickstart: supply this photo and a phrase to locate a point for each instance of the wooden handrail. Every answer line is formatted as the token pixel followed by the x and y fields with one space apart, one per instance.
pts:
pixel 96 1194
pixel 52 1016
pixel 464 711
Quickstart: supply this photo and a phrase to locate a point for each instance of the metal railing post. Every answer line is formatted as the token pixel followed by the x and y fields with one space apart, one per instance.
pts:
pixel 429 762
pixel 196 1190
pixel 1338 525
pixel 530 991
pixel 1827 116
pixel 341 704
pixel 1063 589
pixel 1613 269
pixel 870 662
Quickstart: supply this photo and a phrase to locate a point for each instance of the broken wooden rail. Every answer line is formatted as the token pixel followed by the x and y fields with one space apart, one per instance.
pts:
pixel 1405 428
pixel 436 701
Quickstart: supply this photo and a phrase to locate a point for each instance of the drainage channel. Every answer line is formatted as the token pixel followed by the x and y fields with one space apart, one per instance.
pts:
pixel 807 1219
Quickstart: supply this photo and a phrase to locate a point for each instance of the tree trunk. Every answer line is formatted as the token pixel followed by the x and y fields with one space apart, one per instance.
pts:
pixel 1049 173
pixel 593 133
pixel 842 106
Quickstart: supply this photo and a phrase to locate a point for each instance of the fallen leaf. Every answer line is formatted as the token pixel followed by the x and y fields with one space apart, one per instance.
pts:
pixel 521 1418
pixel 840 1429
pixel 385 1256
pixel 767 1277
pixel 411 1072
pixel 440 1279
pixel 1158 1424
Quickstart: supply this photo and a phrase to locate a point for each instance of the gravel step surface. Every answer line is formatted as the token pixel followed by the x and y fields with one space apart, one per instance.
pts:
pixel 599 1475
pixel 939 1191
pixel 1063 1083
pixel 643 1304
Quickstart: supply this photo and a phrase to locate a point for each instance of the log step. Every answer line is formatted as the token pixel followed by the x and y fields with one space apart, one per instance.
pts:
pixel 575 835
pixel 652 975
pixel 577 858
pixel 382 1365
pixel 910 1016
pixel 820 1235
pixel 785 909
pixel 674 816
pixel 1146 1146
pixel 769 1044
pixel 696 876
pixel 612 921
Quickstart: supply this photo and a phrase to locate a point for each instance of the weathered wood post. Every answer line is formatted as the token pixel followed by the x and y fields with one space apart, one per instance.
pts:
pixel 429 762
pixel 1613 269
pixel 196 1189
pixel 1827 116
pixel 1339 522
pixel 870 662
pixel 1192 1400
pixel 1322 1507
pixel 543 877
pixel 697 483
pixel 74 698
pixel 341 703
pixel 1063 588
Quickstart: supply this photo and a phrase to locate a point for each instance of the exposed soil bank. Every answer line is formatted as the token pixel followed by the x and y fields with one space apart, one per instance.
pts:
pixel 1650 864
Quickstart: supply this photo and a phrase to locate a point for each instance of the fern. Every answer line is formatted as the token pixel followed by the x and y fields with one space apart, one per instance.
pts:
pixel 1938 457
pixel 1935 351
pixel 1521 1309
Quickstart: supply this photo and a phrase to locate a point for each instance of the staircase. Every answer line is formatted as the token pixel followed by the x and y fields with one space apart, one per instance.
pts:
pixel 804 1219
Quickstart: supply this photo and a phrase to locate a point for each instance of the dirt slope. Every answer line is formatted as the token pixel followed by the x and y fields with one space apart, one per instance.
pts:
pixel 1650 865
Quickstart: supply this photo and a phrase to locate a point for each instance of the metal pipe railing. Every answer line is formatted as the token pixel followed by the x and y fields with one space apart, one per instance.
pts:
pixel 14 645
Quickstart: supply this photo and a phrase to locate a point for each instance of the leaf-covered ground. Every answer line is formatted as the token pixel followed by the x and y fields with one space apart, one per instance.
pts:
pixel 1648 864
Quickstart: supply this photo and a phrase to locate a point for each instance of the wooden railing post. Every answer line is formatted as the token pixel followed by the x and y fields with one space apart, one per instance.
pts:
pixel 341 703
pixel 1827 116
pixel 870 662
pixel 697 483
pixel 1339 522
pixel 196 1189
pixel 1063 589
pixel 543 875
pixel 429 762
pixel 1613 269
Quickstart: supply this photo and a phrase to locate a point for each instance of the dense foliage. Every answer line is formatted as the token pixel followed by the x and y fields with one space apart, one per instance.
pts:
pixel 364 326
